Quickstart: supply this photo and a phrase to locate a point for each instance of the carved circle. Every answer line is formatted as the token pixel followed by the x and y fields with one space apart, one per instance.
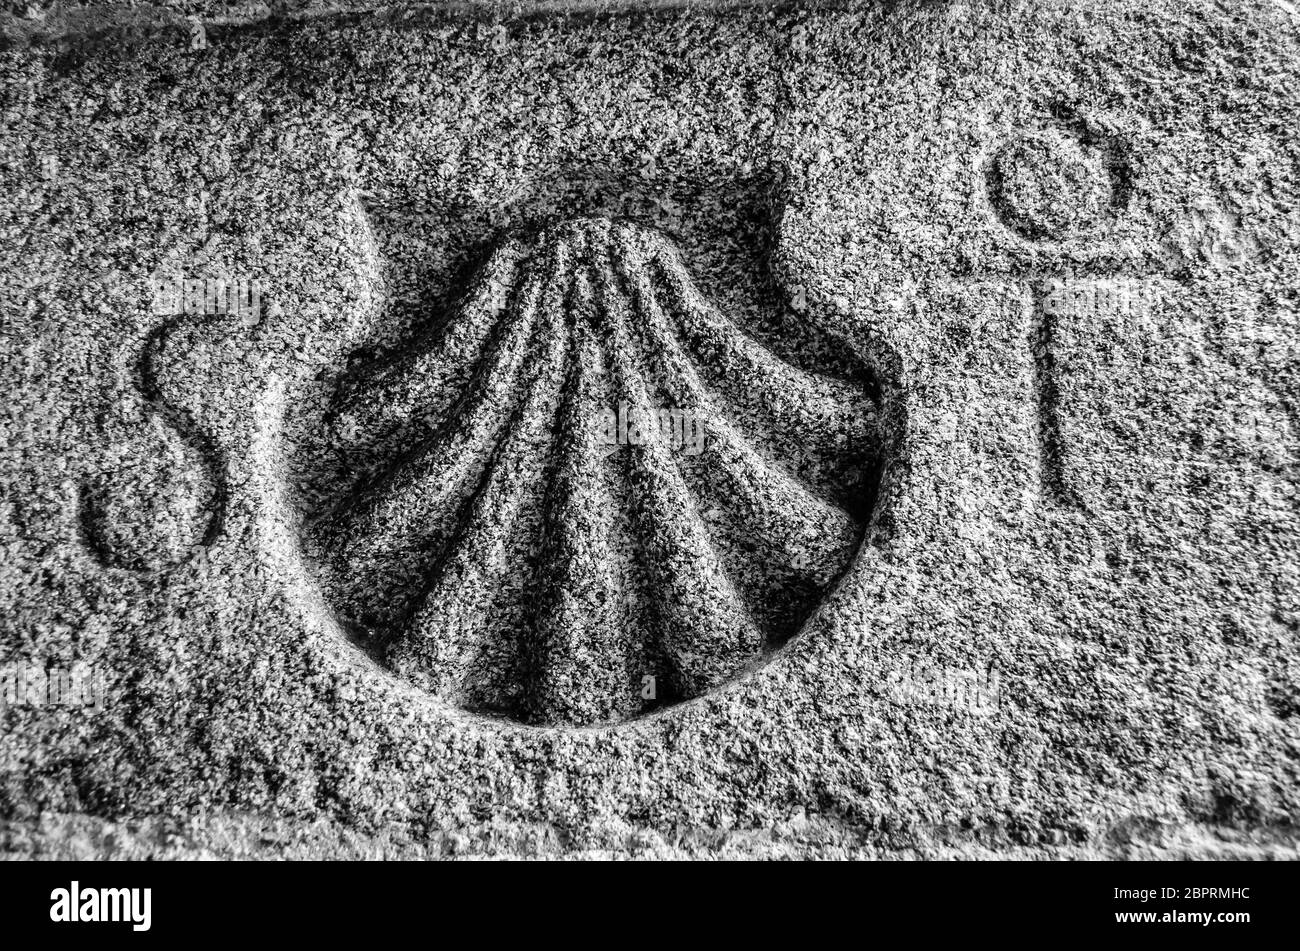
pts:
pixel 1051 185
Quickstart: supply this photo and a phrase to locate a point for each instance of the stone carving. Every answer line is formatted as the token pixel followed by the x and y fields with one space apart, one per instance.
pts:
pixel 165 500
pixel 592 494
pixel 1057 182
pixel 1015 657
pixel 1067 181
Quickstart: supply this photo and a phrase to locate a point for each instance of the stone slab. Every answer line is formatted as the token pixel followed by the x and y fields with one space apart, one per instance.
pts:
pixel 1053 246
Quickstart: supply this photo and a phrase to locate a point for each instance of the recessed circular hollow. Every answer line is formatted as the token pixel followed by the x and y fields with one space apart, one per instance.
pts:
pixel 590 495
pixel 1051 185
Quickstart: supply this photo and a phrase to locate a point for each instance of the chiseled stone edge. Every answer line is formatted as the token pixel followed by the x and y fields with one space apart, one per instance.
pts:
pixel 33 24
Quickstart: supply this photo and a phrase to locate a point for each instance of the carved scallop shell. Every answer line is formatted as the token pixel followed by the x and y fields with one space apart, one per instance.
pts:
pixel 591 494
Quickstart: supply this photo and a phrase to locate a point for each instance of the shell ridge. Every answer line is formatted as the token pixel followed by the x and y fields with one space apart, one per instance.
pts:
pixel 475 549
pixel 685 563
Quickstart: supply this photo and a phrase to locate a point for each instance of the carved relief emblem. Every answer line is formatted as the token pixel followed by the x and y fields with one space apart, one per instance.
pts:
pixel 590 494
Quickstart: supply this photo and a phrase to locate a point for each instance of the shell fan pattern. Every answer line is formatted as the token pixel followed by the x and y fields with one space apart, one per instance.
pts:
pixel 589 494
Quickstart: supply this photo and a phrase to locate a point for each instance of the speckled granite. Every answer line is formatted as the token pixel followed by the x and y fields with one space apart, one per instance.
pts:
pixel 1000 296
pixel 797 836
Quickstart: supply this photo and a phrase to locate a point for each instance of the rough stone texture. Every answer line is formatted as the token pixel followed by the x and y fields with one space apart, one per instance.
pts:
pixel 1055 245
pixel 798 836
pixel 185 22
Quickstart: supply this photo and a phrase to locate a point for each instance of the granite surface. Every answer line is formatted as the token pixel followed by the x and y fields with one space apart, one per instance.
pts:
pixel 326 341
